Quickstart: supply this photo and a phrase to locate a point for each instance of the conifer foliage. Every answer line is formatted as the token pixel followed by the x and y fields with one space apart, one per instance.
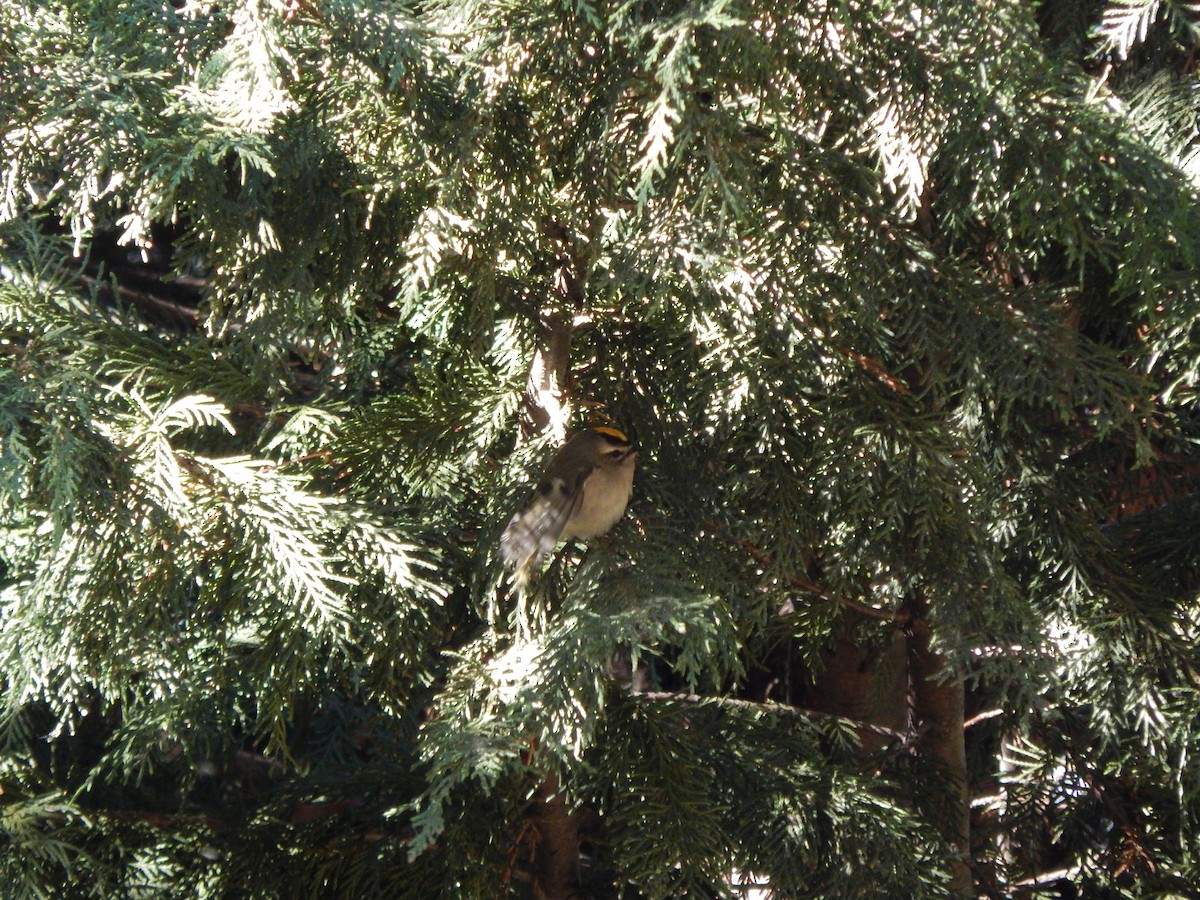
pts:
pixel 899 299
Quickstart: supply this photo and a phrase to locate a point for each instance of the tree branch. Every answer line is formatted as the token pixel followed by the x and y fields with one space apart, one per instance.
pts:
pixel 801 583
pixel 904 739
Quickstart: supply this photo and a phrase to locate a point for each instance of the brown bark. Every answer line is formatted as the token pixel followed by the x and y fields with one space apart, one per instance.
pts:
pixel 878 689
pixel 556 861
pixel 938 712
pixel 548 391
pixel 863 686
pixel 547 394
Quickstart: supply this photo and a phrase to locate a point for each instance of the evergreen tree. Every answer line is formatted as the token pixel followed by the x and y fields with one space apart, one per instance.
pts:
pixel 296 297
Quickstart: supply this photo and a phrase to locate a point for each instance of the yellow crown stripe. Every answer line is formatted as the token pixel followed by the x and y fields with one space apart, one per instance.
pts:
pixel 612 432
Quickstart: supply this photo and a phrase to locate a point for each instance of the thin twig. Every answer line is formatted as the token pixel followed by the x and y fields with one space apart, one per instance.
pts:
pixel 982 717
pixel 800 583
pixel 174 312
pixel 736 703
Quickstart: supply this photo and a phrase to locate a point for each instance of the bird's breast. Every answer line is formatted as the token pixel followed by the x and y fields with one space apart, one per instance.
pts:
pixel 605 496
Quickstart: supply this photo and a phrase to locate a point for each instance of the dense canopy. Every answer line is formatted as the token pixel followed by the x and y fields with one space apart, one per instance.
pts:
pixel 900 300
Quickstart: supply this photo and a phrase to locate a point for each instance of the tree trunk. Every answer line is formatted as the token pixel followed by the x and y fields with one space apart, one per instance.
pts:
pixel 864 687
pixel 876 689
pixel 938 714
pixel 556 862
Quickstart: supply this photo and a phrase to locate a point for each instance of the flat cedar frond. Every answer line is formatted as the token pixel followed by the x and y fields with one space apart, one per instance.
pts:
pixel 898 301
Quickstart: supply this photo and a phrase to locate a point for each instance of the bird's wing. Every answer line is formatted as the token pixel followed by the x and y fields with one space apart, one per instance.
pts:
pixel 533 533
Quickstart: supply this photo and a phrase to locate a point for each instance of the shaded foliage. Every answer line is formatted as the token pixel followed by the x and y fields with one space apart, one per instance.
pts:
pixel 899 300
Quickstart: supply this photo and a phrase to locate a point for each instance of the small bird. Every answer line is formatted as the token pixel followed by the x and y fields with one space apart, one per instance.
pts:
pixel 582 495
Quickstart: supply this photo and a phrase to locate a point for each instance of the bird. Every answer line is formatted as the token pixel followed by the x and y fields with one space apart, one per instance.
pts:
pixel 582 494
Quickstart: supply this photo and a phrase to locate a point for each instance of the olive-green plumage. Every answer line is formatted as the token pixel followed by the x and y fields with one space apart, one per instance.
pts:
pixel 583 493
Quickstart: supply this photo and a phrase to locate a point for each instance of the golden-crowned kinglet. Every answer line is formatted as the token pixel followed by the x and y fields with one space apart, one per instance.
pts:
pixel 584 491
